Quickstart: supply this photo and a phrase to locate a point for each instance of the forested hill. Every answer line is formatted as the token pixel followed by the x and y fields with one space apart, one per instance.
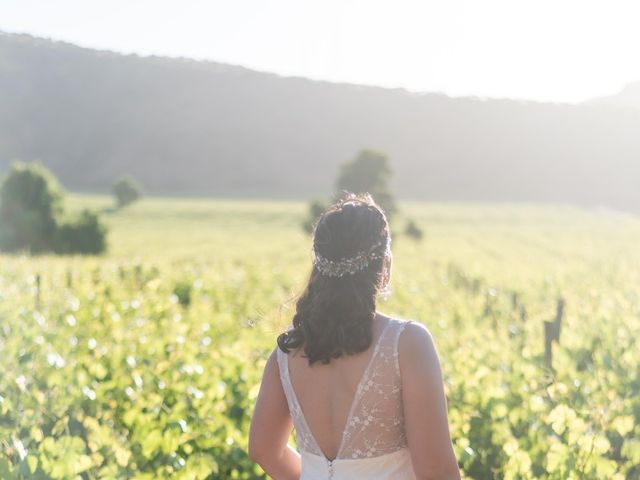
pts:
pixel 182 126
pixel 629 97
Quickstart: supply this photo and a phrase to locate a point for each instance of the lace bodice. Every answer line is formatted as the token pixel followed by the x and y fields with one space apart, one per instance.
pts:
pixel 375 423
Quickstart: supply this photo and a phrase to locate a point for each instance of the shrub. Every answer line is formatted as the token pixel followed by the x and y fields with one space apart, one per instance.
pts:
pixel 85 235
pixel 126 190
pixel 413 230
pixel 316 207
pixel 182 290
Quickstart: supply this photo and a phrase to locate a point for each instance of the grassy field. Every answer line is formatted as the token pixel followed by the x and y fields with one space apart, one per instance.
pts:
pixel 144 363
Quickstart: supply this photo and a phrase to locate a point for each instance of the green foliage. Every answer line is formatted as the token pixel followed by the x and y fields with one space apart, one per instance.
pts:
pixel 368 172
pixel 30 201
pixel 413 230
pixel 316 207
pixel 85 235
pixel 109 376
pixel 182 291
pixel 126 190
pixel 30 211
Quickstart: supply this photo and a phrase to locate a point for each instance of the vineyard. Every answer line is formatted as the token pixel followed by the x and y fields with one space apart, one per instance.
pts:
pixel 145 363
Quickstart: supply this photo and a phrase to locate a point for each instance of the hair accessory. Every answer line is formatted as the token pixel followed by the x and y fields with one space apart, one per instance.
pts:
pixel 353 264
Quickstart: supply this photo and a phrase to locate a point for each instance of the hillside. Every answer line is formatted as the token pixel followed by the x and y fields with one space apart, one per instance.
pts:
pixel 183 126
pixel 629 96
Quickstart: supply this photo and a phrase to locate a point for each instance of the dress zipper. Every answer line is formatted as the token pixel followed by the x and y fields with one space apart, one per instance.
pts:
pixel 330 467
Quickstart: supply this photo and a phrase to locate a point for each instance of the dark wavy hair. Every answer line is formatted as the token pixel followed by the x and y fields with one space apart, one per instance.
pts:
pixel 334 314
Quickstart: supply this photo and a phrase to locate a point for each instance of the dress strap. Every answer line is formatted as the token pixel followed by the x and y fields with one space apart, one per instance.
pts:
pixel 283 368
pixel 279 361
pixel 398 331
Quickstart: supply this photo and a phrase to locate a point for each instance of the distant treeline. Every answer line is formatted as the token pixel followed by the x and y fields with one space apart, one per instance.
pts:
pixel 181 126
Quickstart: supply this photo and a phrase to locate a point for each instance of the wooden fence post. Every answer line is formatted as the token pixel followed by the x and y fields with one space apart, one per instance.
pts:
pixel 37 291
pixel 552 333
pixel 514 300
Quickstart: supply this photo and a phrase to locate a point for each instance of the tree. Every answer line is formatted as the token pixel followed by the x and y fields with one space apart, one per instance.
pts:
pixel 126 190
pixel 85 235
pixel 30 213
pixel 30 202
pixel 368 172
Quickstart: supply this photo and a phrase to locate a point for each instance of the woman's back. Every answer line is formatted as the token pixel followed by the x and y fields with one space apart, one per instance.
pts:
pixel 366 401
pixel 348 414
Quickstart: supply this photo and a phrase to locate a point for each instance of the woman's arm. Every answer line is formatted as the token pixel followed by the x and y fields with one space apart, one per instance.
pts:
pixel 425 406
pixel 271 426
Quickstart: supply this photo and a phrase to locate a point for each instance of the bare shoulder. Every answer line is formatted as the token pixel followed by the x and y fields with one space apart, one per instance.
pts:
pixel 416 346
pixel 415 335
pixel 425 405
pixel 271 365
pixel 271 373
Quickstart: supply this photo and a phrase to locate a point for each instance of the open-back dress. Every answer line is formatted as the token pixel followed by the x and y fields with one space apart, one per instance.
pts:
pixel 373 444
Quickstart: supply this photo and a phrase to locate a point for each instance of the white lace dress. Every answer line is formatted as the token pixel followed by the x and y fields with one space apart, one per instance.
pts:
pixel 373 444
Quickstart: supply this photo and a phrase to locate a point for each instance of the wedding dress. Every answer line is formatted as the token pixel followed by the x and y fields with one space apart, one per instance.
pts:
pixel 373 444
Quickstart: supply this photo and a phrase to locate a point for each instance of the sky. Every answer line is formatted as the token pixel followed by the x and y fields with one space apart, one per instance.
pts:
pixel 544 50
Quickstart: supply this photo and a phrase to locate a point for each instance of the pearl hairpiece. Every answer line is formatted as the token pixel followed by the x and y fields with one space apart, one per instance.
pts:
pixel 352 264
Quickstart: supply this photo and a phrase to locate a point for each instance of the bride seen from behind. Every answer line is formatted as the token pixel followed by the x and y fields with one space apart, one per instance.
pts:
pixel 363 391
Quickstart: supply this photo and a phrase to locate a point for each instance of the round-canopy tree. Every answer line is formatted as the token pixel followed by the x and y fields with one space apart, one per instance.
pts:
pixel 368 172
pixel 30 202
pixel 126 190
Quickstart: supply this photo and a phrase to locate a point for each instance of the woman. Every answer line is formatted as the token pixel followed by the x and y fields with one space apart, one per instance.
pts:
pixel 364 391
